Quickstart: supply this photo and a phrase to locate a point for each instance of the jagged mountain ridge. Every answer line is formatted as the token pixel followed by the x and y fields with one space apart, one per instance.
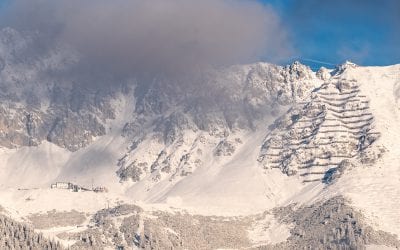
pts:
pixel 41 103
pixel 43 100
pixel 257 91
pixel 150 143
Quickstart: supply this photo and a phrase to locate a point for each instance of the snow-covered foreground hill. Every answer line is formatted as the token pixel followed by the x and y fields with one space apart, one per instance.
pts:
pixel 279 152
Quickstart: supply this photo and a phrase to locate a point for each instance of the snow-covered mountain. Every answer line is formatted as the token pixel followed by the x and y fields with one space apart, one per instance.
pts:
pixel 280 152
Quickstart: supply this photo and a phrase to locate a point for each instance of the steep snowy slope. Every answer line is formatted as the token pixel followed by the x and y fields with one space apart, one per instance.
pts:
pixel 246 140
pixel 374 188
pixel 177 156
pixel 159 139
pixel 350 144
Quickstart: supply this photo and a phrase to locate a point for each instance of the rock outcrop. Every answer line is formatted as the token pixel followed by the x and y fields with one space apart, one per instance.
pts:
pixel 322 134
pixel 174 143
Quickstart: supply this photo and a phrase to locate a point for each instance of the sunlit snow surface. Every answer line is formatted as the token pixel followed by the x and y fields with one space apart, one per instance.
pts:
pixel 234 185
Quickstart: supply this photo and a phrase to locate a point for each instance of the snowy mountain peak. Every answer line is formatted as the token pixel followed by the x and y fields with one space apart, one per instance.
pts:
pixel 343 67
pixel 244 140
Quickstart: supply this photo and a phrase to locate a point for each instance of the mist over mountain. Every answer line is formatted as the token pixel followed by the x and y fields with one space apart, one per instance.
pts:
pixel 159 38
pixel 152 125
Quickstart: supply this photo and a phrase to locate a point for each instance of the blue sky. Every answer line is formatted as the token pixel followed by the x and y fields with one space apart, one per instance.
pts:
pixel 364 31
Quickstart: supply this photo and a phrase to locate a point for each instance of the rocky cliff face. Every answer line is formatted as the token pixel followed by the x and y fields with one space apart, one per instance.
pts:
pixel 184 119
pixel 331 130
pixel 175 124
pixel 171 141
pixel 39 101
